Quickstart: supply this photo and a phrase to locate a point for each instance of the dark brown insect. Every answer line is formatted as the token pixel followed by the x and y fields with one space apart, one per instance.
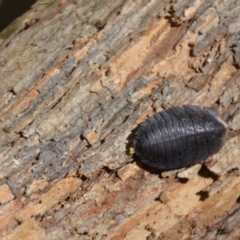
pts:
pixel 179 136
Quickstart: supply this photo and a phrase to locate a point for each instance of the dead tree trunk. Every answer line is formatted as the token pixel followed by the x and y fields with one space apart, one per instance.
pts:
pixel 77 77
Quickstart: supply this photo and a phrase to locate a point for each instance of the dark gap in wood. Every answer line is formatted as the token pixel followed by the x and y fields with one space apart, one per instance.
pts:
pixel 206 173
pixel 203 195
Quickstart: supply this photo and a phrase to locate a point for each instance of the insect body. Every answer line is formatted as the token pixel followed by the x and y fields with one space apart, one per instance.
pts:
pixel 179 136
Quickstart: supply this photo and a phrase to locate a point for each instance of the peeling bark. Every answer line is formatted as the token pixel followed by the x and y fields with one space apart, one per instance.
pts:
pixel 77 78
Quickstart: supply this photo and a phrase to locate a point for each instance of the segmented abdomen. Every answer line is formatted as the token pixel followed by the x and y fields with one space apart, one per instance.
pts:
pixel 179 136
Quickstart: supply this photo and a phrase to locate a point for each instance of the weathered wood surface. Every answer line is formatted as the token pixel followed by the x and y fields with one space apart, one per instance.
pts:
pixel 77 77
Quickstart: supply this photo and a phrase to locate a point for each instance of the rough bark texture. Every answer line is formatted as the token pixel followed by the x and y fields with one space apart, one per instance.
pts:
pixel 77 77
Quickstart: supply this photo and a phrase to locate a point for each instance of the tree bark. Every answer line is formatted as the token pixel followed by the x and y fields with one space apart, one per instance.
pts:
pixel 77 78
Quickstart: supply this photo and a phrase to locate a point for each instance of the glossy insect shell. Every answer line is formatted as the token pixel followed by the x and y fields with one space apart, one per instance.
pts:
pixel 179 136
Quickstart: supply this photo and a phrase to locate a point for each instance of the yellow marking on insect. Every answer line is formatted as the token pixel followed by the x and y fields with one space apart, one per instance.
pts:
pixel 131 151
